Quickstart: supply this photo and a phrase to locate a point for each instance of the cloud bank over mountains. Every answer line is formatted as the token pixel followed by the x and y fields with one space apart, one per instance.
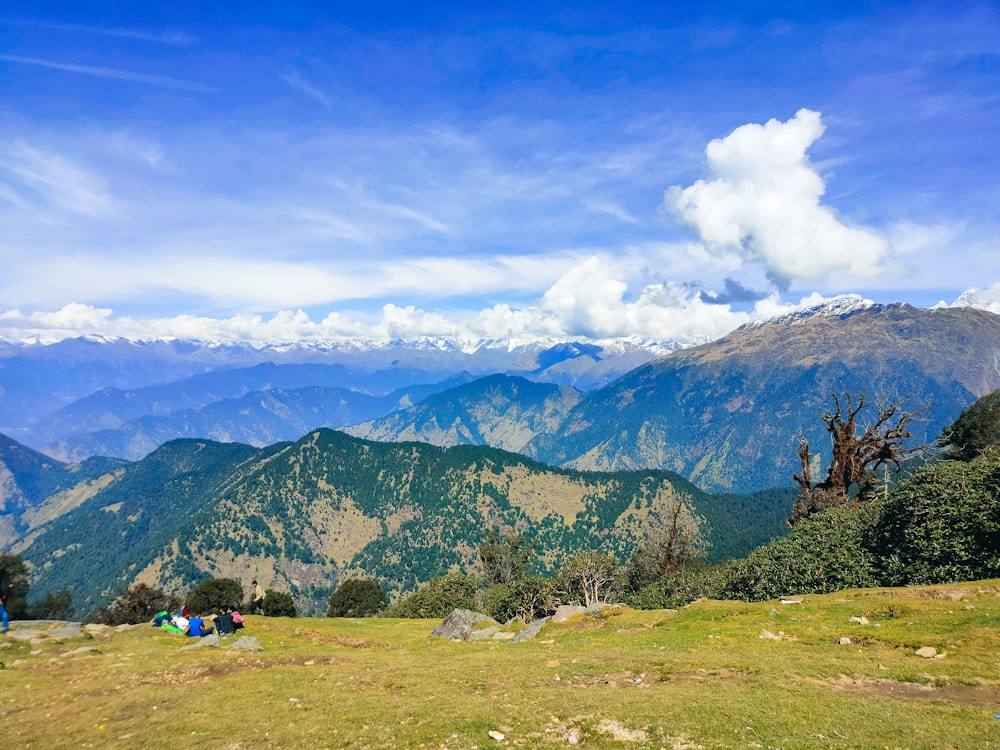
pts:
pixel 758 214
pixel 315 172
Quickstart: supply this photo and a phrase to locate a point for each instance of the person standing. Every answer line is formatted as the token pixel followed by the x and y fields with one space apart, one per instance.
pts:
pixel 257 598
pixel 6 589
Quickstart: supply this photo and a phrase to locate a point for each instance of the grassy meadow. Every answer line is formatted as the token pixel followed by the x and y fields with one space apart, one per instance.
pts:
pixel 699 677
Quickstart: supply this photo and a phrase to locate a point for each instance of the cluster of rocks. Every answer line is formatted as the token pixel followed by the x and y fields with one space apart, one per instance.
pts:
pixel 466 625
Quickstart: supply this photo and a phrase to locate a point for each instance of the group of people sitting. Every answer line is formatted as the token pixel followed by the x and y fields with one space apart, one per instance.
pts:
pixel 226 622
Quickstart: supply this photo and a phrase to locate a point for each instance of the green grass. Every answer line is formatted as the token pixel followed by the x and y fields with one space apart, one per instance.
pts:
pixel 700 677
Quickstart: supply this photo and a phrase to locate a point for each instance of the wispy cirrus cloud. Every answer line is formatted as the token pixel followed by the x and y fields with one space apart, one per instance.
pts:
pixel 166 82
pixel 295 79
pixel 61 182
pixel 162 37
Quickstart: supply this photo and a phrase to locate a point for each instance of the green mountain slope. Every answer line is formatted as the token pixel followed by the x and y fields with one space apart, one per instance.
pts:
pixel 301 516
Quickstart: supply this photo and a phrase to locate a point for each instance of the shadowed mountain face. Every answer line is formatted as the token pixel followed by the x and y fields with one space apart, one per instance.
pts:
pixel 728 415
pixel 29 478
pixel 302 516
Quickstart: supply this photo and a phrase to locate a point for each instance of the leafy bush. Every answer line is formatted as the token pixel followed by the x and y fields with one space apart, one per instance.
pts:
pixel 683 586
pixel 138 604
pixel 526 600
pixel 499 601
pixel 56 606
pixel 357 598
pixel 823 552
pixel 589 578
pixel 438 598
pixel 213 593
pixel 943 524
pixel 976 429
pixel 279 604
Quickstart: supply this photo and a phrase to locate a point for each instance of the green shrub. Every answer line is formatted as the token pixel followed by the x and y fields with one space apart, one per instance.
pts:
pixel 279 604
pixel 976 429
pixel 438 598
pixel 823 552
pixel 213 593
pixel 683 586
pixel 357 598
pixel 55 606
pixel 140 603
pixel 499 601
pixel 942 524
pixel 528 599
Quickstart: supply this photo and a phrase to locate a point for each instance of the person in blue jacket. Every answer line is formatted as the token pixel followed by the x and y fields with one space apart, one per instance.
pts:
pixel 6 589
pixel 196 627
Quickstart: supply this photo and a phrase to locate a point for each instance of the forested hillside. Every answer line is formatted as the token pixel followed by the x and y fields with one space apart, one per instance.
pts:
pixel 301 516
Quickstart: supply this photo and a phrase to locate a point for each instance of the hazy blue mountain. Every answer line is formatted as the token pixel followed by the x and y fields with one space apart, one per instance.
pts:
pixel 501 411
pixel 77 386
pixel 220 406
pixel 258 418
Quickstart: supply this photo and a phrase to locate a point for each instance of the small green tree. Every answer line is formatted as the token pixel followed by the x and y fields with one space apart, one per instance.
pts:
pixel 139 603
pixel 357 598
pixel 55 606
pixel 526 600
pixel 438 598
pixel 506 558
pixel 589 578
pixel 212 593
pixel 279 604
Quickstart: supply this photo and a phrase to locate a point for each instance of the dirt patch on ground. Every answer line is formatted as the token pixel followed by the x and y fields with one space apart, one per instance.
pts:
pixel 984 696
pixel 339 640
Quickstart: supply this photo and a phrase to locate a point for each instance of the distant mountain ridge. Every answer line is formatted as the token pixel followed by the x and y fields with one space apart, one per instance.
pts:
pixel 41 385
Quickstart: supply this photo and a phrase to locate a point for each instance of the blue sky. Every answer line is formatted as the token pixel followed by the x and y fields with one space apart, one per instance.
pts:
pixel 558 170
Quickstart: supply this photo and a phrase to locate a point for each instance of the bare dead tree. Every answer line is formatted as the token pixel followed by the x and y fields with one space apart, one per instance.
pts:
pixel 858 452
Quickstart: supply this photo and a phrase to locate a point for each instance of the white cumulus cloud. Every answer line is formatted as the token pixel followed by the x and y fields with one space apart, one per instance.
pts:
pixel 762 200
